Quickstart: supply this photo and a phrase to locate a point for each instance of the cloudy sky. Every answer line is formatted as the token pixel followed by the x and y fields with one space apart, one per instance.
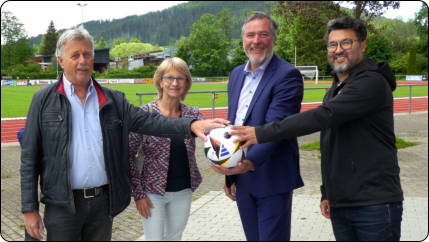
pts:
pixel 36 15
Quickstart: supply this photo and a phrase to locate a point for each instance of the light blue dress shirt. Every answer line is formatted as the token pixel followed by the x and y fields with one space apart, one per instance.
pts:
pixel 86 150
pixel 251 82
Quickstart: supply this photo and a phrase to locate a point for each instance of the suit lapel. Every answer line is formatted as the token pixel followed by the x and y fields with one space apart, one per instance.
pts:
pixel 269 72
pixel 236 89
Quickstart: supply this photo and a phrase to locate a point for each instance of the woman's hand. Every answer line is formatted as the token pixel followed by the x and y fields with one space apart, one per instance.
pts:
pixel 143 205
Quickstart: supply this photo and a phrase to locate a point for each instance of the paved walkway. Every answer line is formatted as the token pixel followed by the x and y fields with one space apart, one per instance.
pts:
pixel 215 217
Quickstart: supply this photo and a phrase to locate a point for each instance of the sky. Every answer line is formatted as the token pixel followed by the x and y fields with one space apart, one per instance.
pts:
pixel 36 15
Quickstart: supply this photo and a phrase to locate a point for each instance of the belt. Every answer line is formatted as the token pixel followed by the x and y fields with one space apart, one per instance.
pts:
pixel 90 192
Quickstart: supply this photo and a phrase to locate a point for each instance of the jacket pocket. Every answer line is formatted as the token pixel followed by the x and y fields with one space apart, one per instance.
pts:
pixel 113 123
pixel 46 176
pixel 346 182
pixel 52 119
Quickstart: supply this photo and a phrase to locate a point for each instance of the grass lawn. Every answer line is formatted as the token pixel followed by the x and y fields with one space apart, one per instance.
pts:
pixel 15 100
pixel 400 144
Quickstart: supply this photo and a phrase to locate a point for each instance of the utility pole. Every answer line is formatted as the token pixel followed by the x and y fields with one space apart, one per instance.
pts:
pixel 81 6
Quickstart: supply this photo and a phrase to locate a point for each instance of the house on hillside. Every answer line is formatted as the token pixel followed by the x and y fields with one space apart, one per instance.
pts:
pixel 101 60
pixel 146 58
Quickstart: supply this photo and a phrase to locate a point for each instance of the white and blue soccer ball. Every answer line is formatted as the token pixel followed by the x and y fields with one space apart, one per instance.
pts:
pixel 220 150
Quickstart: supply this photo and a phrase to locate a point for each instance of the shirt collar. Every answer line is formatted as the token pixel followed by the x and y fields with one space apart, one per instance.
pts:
pixel 69 88
pixel 263 67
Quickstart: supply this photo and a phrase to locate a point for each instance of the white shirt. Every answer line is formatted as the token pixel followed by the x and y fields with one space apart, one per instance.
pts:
pixel 250 84
pixel 86 149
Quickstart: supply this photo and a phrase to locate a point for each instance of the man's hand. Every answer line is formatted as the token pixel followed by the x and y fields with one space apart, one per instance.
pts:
pixel 244 133
pixel 143 205
pixel 326 209
pixel 33 224
pixel 230 192
pixel 198 127
pixel 242 167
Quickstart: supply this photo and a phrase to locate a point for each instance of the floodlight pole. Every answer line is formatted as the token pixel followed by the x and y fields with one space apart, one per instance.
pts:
pixel 81 7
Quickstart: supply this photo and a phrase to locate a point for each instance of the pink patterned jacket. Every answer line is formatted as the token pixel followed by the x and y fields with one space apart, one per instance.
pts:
pixel 157 157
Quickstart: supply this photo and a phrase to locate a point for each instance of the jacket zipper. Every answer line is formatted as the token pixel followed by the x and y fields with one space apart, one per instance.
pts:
pixel 104 153
pixel 68 152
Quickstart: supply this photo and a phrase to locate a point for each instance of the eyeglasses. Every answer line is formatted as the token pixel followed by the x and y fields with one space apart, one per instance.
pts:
pixel 346 44
pixel 170 79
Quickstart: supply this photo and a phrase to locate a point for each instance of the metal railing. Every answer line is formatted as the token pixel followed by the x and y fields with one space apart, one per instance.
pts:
pixel 398 77
pixel 155 93
pixel 140 94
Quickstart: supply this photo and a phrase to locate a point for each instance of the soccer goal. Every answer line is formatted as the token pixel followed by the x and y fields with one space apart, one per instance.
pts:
pixel 309 72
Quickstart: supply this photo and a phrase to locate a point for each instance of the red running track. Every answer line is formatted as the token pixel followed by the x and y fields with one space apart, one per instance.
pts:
pixel 10 128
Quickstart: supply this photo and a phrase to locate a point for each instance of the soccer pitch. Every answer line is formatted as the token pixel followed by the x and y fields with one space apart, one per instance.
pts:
pixel 16 100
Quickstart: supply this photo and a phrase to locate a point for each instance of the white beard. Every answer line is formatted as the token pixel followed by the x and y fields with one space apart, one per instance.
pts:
pixel 341 69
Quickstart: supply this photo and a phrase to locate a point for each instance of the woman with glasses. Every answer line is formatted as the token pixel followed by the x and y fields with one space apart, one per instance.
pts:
pixel 163 191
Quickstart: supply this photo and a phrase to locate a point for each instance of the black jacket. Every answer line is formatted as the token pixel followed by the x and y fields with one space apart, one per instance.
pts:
pixel 47 139
pixel 359 156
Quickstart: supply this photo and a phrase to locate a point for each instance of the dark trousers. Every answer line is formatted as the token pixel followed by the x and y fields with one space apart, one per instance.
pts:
pixel 370 223
pixel 91 222
pixel 267 218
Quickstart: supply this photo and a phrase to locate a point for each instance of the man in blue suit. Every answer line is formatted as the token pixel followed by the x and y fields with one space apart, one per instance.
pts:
pixel 263 90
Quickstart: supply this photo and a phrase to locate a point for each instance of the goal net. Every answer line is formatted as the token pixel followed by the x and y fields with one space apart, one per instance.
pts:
pixel 309 72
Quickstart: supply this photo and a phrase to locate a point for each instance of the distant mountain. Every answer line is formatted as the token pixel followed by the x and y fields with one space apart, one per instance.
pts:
pixel 165 27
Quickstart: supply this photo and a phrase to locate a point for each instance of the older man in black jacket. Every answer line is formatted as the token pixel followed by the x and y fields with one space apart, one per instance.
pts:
pixel 76 141
pixel 361 189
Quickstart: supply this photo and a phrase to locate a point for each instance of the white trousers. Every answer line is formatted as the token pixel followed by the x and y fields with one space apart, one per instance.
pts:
pixel 168 217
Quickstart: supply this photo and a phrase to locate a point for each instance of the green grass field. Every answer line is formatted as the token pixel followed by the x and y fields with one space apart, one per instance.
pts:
pixel 15 100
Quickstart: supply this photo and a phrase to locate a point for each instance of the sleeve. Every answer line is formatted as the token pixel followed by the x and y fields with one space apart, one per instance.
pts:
pixel 363 96
pixel 139 121
pixel 31 157
pixel 286 101
pixel 135 141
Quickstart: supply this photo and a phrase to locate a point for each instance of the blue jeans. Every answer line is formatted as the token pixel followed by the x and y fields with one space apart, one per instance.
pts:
pixel 370 223
pixel 168 217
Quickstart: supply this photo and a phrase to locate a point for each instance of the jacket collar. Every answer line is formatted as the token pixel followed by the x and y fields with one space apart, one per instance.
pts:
pixel 101 97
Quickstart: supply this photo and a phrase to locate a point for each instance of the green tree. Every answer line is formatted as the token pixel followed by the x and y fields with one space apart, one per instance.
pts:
pixel 403 35
pixel 50 40
pixel 135 40
pixel 36 49
pixel 412 66
pixel 379 49
pixel 157 47
pixel 181 41
pixel 238 55
pixel 22 51
pixel 421 21
pixel 183 51
pixel 209 44
pixel 129 49
pixel 303 25
pixel 11 31
pixel 101 44
pixel 53 66
pixel 116 42
pixel 125 65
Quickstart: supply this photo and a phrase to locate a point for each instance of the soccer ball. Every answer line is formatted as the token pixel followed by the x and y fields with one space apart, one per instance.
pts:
pixel 220 150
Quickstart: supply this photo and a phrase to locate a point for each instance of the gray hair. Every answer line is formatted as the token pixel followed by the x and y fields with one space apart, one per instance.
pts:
pixel 261 15
pixel 71 35
pixel 347 22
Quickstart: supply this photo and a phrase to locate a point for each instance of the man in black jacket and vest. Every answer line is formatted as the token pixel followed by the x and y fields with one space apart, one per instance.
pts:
pixel 361 189
pixel 76 141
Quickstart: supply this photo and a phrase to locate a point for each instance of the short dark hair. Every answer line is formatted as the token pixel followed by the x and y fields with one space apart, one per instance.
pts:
pixel 347 22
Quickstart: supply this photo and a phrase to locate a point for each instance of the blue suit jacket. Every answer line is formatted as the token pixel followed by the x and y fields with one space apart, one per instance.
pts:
pixel 278 95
